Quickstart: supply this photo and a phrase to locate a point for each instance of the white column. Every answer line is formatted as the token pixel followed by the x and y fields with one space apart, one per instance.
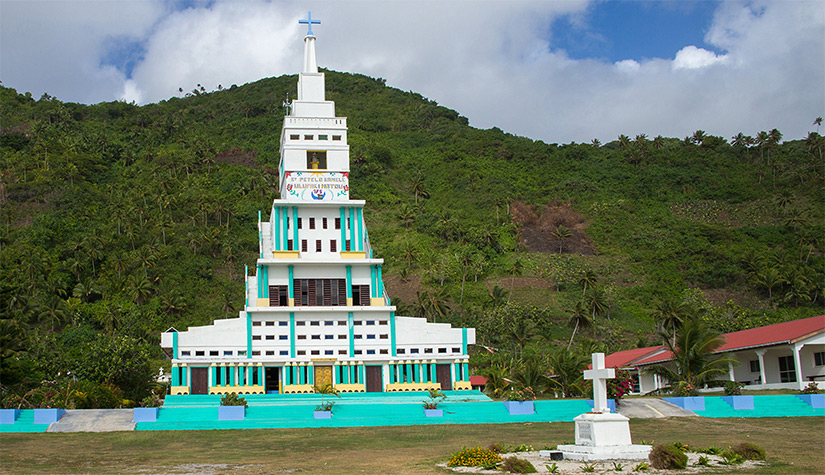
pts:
pixel 760 354
pixel 797 363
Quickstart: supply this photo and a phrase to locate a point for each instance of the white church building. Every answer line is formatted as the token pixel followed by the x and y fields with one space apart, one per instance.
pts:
pixel 316 310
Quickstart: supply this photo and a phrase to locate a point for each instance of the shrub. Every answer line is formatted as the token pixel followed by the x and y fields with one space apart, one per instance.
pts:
pixel 232 399
pixel 733 388
pixel 517 465
pixel 497 448
pixel 474 457
pixel 526 394
pixel 749 451
pixel 731 458
pixel 667 457
pixel 811 388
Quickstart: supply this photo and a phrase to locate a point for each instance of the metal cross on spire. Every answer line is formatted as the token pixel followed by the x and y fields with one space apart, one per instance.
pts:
pixel 309 22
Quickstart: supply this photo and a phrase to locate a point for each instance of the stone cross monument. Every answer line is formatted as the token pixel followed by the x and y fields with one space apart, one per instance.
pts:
pixel 601 435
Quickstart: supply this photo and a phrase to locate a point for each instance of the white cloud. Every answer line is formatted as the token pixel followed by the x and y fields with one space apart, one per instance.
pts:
pixel 691 57
pixel 493 63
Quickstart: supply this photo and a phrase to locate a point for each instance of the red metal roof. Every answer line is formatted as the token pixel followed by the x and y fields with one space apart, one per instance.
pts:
pixel 478 380
pixel 776 334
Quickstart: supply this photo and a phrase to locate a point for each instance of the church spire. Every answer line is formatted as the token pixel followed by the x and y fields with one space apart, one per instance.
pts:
pixel 310 64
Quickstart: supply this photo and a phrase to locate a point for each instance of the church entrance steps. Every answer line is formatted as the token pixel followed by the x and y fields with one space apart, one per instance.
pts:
pixel 94 420
pixel 651 408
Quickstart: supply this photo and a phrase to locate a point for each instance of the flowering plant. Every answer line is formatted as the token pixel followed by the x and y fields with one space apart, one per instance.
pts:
pixel 526 394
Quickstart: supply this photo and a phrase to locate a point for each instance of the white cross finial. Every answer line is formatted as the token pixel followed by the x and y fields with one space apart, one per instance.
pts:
pixel 599 374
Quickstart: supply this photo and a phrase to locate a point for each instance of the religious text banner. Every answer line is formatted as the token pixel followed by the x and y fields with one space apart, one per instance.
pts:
pixel 316 186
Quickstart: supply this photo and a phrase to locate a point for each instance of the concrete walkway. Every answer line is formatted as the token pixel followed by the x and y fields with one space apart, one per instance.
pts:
pixel 94 420
pixel 649 408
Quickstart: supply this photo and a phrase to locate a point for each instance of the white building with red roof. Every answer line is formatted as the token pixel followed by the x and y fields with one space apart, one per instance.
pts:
pixel 785 355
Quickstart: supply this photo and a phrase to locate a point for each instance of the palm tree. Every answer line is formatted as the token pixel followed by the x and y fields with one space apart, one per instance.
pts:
pixel 327 389
pixel 579 319
pixel 670 313
pixel 521 331
pixel 817 123
pixel 698 137
pixel 658 142
pixel 561 234
pixel 567 368
pixel 498 381
pixel 694 363
pixel 515 270
pixel 596 302
pixel 498 297
pixel 588 279
pixel 529 374
pixel 418 188
pixel 768 278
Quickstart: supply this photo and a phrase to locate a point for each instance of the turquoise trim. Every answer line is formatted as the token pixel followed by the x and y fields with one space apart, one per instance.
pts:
pixel 295 245
pixel 392 368
pixel 360 220
pixel 463 341
pixel 292 334
pixel 352 245
pixel 260 235
pixel 392 334
pixel 349 282
pixel 351 326
pixel 465 371
pixel 214 372
pixel 380 282
pixel 266 281
pixel 373 288
pixel 246 284
pixel 301 374
pixel 175 345
pixel 248 335
pixel 311 375
pixel 433 374
pixel 361 373
pixel 289 284
pixel 184 375
pixel 231 370
pixel 276 211
pixel 260 375
pixel 287 375
pixel 175 379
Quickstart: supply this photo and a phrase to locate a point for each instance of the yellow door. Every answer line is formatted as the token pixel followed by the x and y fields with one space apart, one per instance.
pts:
pixel 323 375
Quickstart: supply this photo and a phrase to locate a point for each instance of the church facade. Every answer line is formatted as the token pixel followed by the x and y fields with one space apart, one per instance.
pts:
pixel 316 310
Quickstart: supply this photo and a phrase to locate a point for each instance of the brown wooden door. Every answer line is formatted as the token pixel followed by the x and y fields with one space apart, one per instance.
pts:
pixel 200 381
pixel 323 375
pixel 374 379
pixel 442 375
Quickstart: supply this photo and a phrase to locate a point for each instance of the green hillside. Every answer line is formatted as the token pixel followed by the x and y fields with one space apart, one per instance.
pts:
pixel 120 221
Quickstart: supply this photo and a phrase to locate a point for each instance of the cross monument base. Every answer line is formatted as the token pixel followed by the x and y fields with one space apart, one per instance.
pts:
pixel 603 436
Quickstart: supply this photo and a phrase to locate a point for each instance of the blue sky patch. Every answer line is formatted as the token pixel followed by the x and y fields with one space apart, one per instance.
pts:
pixel 616 30
pixel 123 53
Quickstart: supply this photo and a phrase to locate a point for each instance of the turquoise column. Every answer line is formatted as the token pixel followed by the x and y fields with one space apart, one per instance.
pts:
pixel 214 375
pixel 301 374
pixel 226 376
pixel 380 282
pixel 457 371
pixel 175 344
pixel 361 373
pixel 295 244
pixel 184 376
pixel 409 378
pixel 345 373
pixel 285 210
pixel 349 282
pixel 352 229
pixel 425 369
pixel 343 229
pixel 463 341
pixel 248 335
pixel 246 285
pixel 292 334
pixel 392 369
pixel 290 285
pixel 433 374
pixel 392 333
pixel 277 213
pixel 310 374
pixel 466 371
pixel 261 375
pixel 360 221
pixel 373 287
pixel 351 326
pixel 287 373
pixel 175 379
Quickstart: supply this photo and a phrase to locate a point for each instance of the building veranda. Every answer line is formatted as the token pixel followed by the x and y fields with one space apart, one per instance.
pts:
pixel 316 310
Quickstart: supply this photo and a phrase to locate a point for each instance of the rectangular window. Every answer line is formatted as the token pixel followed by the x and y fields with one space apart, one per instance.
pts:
pixel 289 246
pixel 283 353
pixel 300 323
pixel 383 352
pixel 311 223
pixel 357 337
pixel 324 223
pixel 270 352
pixel 278 297
pixel 456 350
pixel 213 353
pixel 323 137
pixel 256 353
pixel 370 322
pixel 241 353
pixel 333 245
pixel 184 353
pixel 329 337
pixel 442 350
pixel 342 337
pixel 282 324
pixel 316 352
pixel 357 323
pixel 301 353
pixel 336 137
pixel 270 337
pixel 358 352
pixel 270 323
pixel 307 137
pixel 754 364
pixel 787 370
pixel 347 246
pixel 256 324
pixel 401 351
pixel 428 350
pixel 370 352
pixel 315 323
pixel 256 337
pixel 342 352
pixel 382 322
pixel 318 245
pixel 294 137
pixel 329 323
pixel 370 337
pixel 300 223
pixel 337 223
pixel 328 352
pixel 282 337
pixel 302 337
pixel 316 337
pixel 383 336
pixel 414 351
pixel 819 358
pixel 303 245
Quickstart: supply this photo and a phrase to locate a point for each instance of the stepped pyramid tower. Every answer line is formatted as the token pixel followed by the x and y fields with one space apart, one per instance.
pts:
pixel 316 310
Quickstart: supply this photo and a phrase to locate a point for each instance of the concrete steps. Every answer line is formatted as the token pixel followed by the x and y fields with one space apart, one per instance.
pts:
pixel 94 420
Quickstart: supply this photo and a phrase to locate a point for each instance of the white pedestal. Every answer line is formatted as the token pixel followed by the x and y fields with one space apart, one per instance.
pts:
pixel 603 436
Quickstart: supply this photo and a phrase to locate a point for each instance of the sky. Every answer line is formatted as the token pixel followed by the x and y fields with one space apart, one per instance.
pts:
pixel 557 71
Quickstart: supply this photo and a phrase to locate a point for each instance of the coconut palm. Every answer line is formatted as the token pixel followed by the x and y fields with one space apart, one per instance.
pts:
pixel 567 367
pixel 561 234
pixel 694 363
pixel 578 320
pixel 670 313
pixel 588 279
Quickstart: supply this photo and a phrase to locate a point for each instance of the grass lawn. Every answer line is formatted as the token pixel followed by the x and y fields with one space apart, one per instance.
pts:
pixel 793 445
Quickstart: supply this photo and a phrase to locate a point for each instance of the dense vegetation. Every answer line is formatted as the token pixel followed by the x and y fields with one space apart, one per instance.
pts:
pixel 120 221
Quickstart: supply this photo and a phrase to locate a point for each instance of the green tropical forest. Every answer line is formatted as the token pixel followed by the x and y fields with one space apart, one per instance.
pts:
pixel 120 221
